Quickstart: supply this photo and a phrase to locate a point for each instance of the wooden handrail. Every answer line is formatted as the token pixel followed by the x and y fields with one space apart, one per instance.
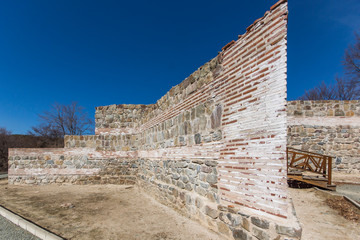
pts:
pixel 312 153
pixel 308 161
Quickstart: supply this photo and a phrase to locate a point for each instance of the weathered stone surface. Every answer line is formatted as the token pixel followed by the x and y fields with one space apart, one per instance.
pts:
pixel 261 223
pixel 199 202
pixel 260 234
pixel 223 228
pixel 211 212
pixel 225 217
pixel 200 191
pixel 239 234
pixel 211 178
pixel 197 138
pixel 288 231
pixel 245 223
pixel 180 184
pixel 216 117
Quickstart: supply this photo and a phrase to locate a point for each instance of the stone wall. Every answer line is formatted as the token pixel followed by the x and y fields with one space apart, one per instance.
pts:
pixel 119 119
pixel 77 166
pixel 102 142
pixel 213 147
pixel 327 127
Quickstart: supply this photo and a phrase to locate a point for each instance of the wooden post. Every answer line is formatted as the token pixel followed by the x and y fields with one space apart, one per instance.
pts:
pixel 287 161
pixel 329 170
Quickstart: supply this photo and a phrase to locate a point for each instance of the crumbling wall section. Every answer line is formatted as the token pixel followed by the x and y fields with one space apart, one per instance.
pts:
pixel 327 127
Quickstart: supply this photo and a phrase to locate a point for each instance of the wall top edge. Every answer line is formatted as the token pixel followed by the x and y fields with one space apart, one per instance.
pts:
pixel 185 82
pixel 322 101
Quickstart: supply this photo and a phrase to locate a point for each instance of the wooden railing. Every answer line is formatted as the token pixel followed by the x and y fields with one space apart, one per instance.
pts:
pixel 308 161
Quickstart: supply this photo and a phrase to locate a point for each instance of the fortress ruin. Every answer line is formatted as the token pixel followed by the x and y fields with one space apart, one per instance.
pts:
pixel 214 147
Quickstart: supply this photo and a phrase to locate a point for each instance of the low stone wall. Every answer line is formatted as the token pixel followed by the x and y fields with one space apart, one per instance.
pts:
pixel 324 108
pixel 327 127
pixel 79 166
pixel 103 142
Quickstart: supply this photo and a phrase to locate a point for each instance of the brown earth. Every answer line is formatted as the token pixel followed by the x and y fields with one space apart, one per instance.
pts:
pixel 341 177
pixel 99 212
pixel 344 208
pixel 320 221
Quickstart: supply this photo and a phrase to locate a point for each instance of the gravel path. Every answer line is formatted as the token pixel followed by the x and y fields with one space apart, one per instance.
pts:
pixel 9 231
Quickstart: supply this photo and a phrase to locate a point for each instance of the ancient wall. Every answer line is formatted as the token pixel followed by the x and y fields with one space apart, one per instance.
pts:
pixel 213 147
pixel 78 166
pixel 327 127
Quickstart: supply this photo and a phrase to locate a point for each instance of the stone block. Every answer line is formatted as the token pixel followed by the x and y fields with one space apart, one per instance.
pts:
pixel 188 187
pixel 200 191
pixel 211 178
pixel 180 184
pixel 223 228
pixel 185 179
pixel 240 234
pixel 199 202
pixel 211 212
pixel 260 234
pixel 245 223
pixel 261 223
pixel 211 163
pixel 225 217
pixel 289 231
pixel 215 117
pixel 197 138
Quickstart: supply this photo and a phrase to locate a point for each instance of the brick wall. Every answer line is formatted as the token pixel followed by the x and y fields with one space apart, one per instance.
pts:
pixel 327 127
pixel 213 147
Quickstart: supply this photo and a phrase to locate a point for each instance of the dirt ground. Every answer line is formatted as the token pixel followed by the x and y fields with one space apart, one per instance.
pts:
pixel 341 177
pixel 123 212
pixel 318 220
pixel 99 212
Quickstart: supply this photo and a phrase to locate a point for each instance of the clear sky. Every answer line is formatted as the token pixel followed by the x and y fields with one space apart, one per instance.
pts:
pixel 113 52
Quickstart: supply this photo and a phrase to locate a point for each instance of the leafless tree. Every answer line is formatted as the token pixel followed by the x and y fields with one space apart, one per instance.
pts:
pixel 4 144
pixel 345 88
pixel 351 60
pixel 63 120
pixel 320 92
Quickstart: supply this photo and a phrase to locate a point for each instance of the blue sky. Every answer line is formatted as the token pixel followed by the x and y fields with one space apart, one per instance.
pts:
pixel 112 52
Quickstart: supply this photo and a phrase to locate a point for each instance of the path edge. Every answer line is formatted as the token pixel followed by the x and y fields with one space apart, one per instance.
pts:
pixel 28 226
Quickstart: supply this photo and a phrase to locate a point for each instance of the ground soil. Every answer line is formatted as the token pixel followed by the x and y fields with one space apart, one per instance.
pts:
pixel 99 212
pixel 344 208
pixel 320 221
pixel 341 177
pixel 124 212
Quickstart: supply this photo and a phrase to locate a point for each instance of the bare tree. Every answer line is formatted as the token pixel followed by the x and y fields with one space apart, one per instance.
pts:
pixel 4 145
pixel 345 88
pixel 320 92
pixel 351 60
pixel 63 120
